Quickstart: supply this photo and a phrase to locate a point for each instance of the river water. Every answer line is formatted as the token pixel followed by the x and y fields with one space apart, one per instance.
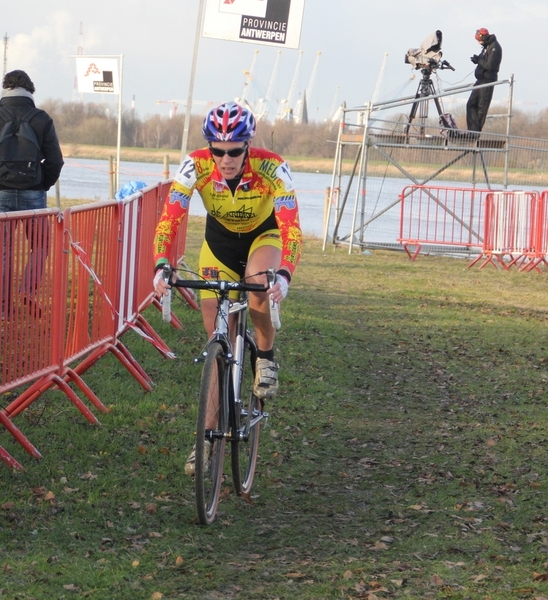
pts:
pixel 88 179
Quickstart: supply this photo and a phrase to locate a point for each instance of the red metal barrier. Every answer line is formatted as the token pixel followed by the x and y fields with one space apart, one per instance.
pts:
pixel 72 283
pixel 137 268
pixel 95 248
pixel 91 279
pixel 448 216
pixel 511 228
pixel 541 234
pixel 31 349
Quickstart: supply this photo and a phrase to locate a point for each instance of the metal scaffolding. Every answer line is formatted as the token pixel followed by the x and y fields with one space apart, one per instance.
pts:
pixel 379 143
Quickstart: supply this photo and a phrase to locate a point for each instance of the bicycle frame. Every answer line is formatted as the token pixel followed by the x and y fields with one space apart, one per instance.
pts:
pixel 237 416
pixel 235 354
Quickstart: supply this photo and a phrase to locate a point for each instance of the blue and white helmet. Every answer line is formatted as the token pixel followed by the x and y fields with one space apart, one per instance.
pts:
pixel 229 122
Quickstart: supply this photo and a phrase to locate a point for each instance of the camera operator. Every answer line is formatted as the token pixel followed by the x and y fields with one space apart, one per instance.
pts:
pixel 488 64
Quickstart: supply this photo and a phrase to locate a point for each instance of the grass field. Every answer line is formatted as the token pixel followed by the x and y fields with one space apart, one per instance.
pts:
pixel 406 455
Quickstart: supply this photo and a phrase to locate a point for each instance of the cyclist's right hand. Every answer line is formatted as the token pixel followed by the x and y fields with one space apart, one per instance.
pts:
pixel 161 286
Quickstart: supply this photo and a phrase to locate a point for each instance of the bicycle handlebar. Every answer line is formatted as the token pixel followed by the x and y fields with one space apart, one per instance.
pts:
pixel 221 285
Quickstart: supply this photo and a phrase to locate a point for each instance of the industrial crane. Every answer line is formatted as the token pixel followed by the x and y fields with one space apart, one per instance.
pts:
pixel 301 114
pixel 173 111
pixel 248 78
pixel 285 111
pixel 263 105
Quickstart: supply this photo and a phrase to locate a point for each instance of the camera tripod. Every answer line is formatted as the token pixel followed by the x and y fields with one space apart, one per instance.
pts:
pixel 426 88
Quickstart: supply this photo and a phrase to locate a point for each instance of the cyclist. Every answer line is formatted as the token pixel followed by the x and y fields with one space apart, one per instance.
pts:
pixel 252 225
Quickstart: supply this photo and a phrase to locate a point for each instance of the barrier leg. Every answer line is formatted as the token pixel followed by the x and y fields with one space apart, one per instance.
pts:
pixel 126 358
pixel 157 341
pixel 74 376
pixel 9 460
pixel 21 439
pixel 64 387
pixel 41 386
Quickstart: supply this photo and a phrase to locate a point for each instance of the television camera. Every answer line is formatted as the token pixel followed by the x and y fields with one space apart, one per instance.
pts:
pixel 429 56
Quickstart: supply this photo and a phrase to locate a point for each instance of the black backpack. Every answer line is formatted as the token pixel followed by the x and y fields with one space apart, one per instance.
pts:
pixel 20 155
pixel 449 127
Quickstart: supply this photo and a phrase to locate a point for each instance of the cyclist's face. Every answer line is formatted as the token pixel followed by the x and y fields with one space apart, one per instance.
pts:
pixel 230 167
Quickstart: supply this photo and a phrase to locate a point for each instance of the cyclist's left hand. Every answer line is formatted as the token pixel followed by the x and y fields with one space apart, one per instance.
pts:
pixel 279 290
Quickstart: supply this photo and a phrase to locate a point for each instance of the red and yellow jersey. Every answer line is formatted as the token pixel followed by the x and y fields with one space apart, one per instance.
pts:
pixel 266 185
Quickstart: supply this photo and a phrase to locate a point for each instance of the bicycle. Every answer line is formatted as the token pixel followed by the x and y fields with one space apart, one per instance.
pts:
pixel 227 384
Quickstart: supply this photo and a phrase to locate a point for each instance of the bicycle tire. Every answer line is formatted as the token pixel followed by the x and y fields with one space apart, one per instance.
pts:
pixel 213 388
pixel 245 449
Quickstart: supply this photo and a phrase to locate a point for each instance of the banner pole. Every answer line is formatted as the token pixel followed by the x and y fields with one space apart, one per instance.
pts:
pixel 119 141
pixel 188 112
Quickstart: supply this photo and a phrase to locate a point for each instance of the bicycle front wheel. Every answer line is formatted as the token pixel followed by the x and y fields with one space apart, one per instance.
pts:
pixel 244 450
pixel 211 440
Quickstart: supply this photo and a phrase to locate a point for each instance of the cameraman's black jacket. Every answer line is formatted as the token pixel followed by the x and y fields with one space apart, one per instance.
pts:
pixel 489 61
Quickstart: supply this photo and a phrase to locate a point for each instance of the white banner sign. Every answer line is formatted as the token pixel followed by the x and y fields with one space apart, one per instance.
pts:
pixel 96 75
pixel 270 22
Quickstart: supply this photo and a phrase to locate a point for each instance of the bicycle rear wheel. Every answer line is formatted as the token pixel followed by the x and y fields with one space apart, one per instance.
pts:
pixel 244 450
pixel 213 397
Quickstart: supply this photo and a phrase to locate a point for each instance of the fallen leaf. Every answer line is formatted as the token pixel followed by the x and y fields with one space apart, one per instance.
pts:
pixel 436 580
pixel 378 546
pixel 348 575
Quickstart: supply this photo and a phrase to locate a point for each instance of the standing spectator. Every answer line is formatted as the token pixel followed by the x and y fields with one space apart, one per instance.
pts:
pixel 17 104
pixel 488 64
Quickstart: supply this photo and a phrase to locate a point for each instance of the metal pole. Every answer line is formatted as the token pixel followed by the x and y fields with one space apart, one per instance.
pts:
pixel 5 53
pixel 111 186
pixel 191 82
pixel 508 124
pixel 119 124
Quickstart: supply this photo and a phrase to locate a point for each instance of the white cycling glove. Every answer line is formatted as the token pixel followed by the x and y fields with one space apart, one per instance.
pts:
pixel 158 276
pixel 284 284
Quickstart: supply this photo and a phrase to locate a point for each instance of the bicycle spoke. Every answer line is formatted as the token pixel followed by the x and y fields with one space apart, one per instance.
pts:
pixel 244 450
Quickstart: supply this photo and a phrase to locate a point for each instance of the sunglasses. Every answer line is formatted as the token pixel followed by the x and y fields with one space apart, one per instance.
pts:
pixel 233 153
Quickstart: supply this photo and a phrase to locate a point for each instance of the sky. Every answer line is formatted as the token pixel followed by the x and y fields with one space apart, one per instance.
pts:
pixel 350 51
